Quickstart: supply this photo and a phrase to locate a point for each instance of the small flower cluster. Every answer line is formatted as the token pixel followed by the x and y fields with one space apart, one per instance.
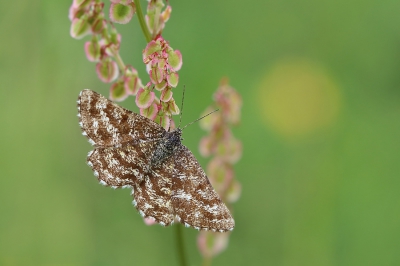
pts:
pixel 226 151
pixel 87 18
pixel 155 19
pixel 121 11
pixel 162 62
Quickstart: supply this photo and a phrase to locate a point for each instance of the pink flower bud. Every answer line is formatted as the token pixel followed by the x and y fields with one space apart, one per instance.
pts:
pixel 211 244
pixel 151 48
pixel 99 25
pixel 166 13
pixel 132 82
pixel 175 59
pixel 172 108
pixel 120 13
pixel 156 75
pixel 160 86
pixel 155 19
pixel 73 12
pixel 150 112
pixel 92 51
pixel 144 98
pixel 79 28
pixel 132 85
pixel 206 146
pixel 166 95
pixel 118 92
pixel 161 64
pixel 149 221
pixel 173 79
pixel 130 70
pixel 164 121
pixel 97 7
pixel 230 102
pixel 231 149
pixel 220 174
pixel 111 48
pixel 233 192
pixel 107 70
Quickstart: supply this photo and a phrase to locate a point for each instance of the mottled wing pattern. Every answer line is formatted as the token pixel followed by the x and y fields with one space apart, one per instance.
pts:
pixel 107 124
pixel 194 200
pixel 127 166
pixel 121 166
pixel 152 198
pixel 125 143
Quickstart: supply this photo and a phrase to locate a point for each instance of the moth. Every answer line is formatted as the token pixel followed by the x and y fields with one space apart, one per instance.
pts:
pixel 132 151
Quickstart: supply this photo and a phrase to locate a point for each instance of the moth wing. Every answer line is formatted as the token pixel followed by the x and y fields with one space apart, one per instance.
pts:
pixel 194 200
pixel 121 166
pixel 152 197
pixel 106 124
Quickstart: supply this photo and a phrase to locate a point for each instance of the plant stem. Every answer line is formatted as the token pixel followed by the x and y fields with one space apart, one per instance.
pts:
pixel 180 246
pixel 207 261
pixel 142 22
pixel 120 63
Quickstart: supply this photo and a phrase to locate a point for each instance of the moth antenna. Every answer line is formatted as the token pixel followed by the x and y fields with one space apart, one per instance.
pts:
pixel 199 118
pixel 183 97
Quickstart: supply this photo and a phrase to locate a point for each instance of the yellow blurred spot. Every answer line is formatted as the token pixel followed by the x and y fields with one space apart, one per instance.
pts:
pixel 298 98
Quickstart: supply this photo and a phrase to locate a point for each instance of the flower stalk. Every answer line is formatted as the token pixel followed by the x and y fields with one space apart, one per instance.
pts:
pixel 225 150
pixel 155 98
pixel 142 22
pixel 180 245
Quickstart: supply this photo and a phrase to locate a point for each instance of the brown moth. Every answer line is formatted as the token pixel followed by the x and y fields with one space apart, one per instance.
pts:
pixel 132 151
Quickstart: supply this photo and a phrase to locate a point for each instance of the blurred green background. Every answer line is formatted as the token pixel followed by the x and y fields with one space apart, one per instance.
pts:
pixel 320 129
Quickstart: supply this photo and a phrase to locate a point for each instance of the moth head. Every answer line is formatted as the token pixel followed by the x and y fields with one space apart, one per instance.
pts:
pixel 175 136
pixel 178 133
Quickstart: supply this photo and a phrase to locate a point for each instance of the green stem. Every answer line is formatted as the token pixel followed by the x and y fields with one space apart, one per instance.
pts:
pixel 142 22
pixel 119 61
pixel 180 246
pixel 207 261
